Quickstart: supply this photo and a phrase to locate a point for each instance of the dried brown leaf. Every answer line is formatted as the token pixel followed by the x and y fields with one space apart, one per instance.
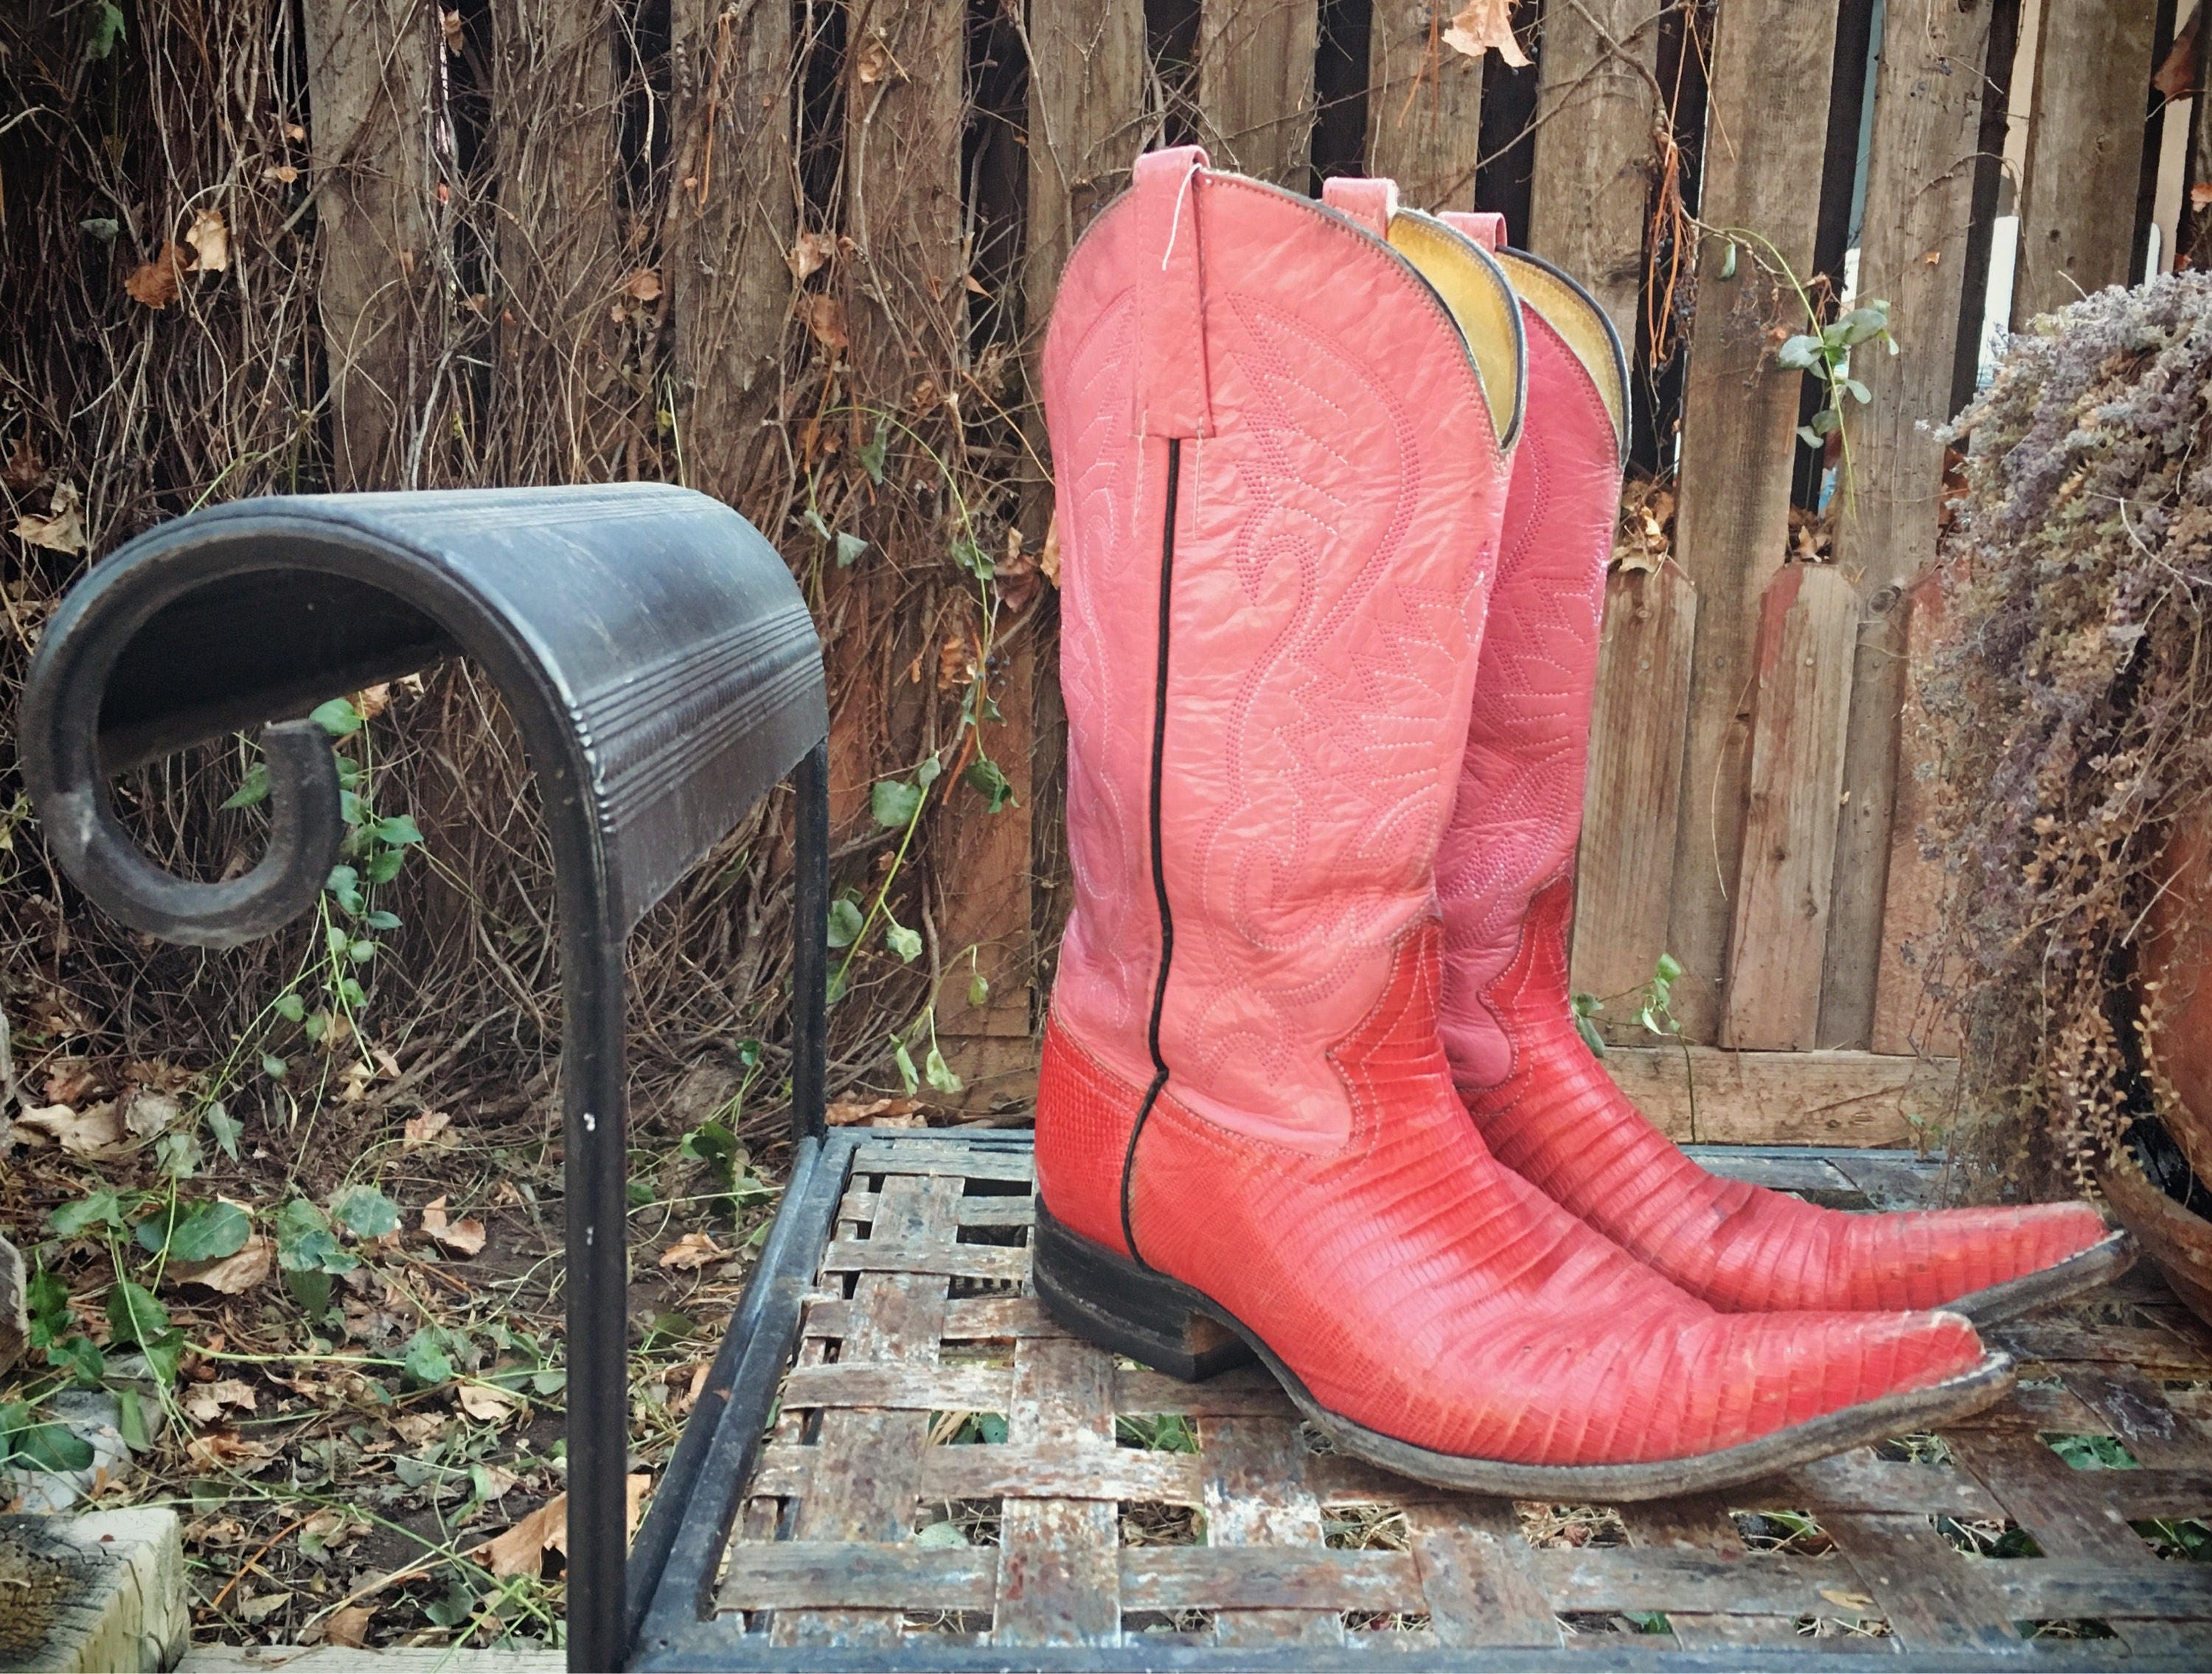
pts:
pixel 486 1404
pixel 463 1237
pixel 25 470
pixel 643 286
pixel 233 1275
pixel 874 1113
pixel 1485 25
pixel 89 1133
pixel 810 253
pixel 348 1627
pixel 427 1129
pixel 521 1549
pixel 825 319
pixel 155 284
pixel 692 1252
pixel 61 528
pixel 209 238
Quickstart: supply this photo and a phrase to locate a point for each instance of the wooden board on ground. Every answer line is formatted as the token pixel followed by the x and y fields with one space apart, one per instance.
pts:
pixel 1769 114
pixel 2077 208
pixel 1800 703
pixel 1256 86
pixel 1919 200
pixel 1909 1015
pixel 1424 106
pixel 1633 785
pixel 1838 1098
pixel 1596 109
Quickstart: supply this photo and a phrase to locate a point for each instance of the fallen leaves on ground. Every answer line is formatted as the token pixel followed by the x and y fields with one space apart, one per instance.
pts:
pixel 428 1129
pixel 207 1403
pixel 88 1133
pixel 210 241
pixel 231 1275
pixel 486 1402
pixel 348 1627
pixel 462 1238
pixel 692 1251
pixel 221 1450
pixel 850 1112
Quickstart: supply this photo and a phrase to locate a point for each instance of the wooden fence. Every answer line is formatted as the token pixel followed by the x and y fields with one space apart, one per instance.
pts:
pixel 1755 774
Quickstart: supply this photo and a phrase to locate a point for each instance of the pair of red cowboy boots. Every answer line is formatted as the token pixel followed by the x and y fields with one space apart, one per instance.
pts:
pixel 1337 488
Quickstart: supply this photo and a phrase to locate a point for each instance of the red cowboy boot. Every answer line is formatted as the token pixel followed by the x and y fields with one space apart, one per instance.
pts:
pixel 1505 874
pixel 1279 487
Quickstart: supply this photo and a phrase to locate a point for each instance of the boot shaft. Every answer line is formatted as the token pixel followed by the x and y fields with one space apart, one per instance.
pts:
pixel 1280 490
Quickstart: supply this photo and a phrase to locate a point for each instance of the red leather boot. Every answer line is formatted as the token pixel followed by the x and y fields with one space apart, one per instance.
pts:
pixel 1279 490
pixel 1505 874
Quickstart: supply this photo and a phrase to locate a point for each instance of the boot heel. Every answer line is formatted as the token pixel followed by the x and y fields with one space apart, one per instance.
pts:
pixel 1111 1301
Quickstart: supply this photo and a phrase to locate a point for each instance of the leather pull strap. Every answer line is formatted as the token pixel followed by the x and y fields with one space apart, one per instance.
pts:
pixel 1371 202
pixel 1486 230
pixel 1173 396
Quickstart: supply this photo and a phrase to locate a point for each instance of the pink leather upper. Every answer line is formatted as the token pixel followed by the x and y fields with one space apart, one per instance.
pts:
pixel 1486 230
pixel 1519 808
pixel 1335 532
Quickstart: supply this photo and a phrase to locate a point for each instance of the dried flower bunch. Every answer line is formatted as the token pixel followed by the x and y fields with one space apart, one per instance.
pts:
pixel 2072 697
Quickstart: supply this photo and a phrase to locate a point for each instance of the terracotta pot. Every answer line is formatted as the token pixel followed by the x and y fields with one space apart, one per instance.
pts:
pixel 2176 952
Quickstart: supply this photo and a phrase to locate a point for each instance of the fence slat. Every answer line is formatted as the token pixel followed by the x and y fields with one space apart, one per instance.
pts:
pixel 1919 203
pixel 1634 781
pixel 1906 1017
pixel 1424 106
pixel 732 220
pixel 1801 700
pixel 368 84
pixel 1256 86
pixel 1770 69
pixel 2077 211
pixel 1592 186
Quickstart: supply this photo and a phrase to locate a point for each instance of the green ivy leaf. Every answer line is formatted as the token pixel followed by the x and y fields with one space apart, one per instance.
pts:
pixel 365 1212
pixel 1591 1038
pixel 273 1066
pixel 1668 969
pixel 1728 261
pixel 226 1128
pixel 984 777
pixel 134 1315
pixel 46 1300
pixel 1808 435
pixel 905 943
pixel 42 1445
pixel 873 452
pixel 202 1232
pixel 426 1361
pixel 1802 353
pixel 399 829
pixel 849 548
pixel 845 923
pixel 177 1154
pixel 252 790
pixel 385 866
pixel 894 802
pixel 104 32
pixel 903 1060
pixel 291 1008
pixel 939 1074
pixel 316 1024
pixel 81 1358
pixel 338 717
pixel 98 1208
pixel 979 988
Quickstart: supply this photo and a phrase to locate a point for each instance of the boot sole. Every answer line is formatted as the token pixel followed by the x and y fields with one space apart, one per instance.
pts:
pixel 2100 1264
pixel 1109 1300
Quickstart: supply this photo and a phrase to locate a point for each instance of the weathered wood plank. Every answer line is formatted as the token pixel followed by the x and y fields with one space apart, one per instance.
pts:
pixel 1801 704
pixel 1633 784
pixel 1257 1496
pixel 1424 106
pixel 370 66
pixel 1087 70
pixel 1059 1577
pixel 1619 1578
pixel 1929 93
pixel 1247 1392
pixel 1477 1577
pixel 1838 1098
pixel 855 1580
pixel 906 1387
pixel 1908 1017
pixel 1934 1600
pixel 1771 66
pixel 980 867
pixel 731 222
pixel 880 1254
pixel 868 1484
pixel 2056 1339
pixel 2137 1410
pixel 993 1211
pixel 2077 205
pixel 1700 1525
pixel 1859 1481
pixel 1596 109
pixel 1301 1580
pixel 938 1155
pixel 1256 86
pixel 1042 1470
pixel 562 410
